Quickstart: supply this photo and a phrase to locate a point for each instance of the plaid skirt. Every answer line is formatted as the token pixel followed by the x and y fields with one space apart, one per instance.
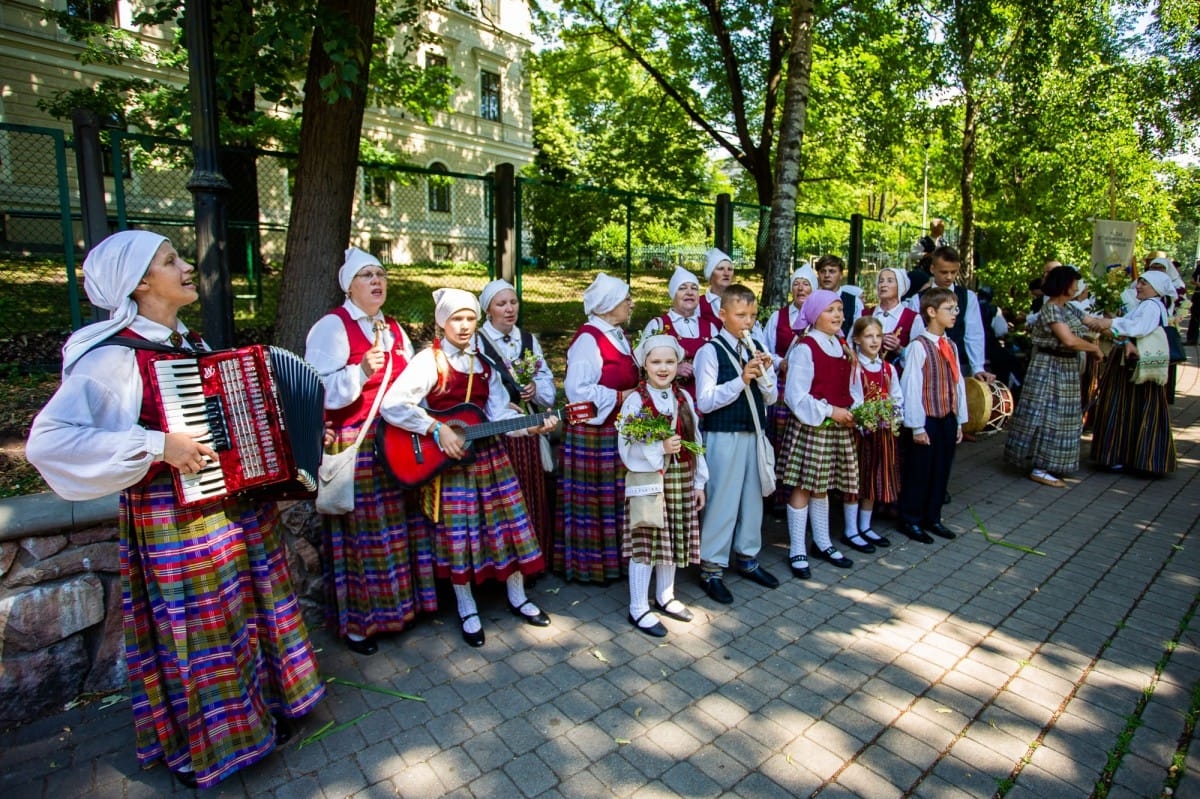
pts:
pixel 590 516
pixel 679 544
pixel 484 532
pixel 1047 424
pixel 1132 424
pixel 379 559
pixel 525 454
pixel 214 638
pixel 821 459
pixel 879 466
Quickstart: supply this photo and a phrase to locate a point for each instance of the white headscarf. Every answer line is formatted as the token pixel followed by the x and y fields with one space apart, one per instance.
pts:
pixel 111 271
pixel 356 259
pixel 447 302
pixel 806 272
pixel 491 290
pixel 903 284
pixel 679 278
pixel 1160 282
pixel 605 293
pixel 654 342
pixel 1171 271
pixel 711 259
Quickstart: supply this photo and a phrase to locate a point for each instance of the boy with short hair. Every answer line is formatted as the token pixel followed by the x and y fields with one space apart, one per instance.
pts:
pixel 935 405
pixel 724 368
pixel 829 270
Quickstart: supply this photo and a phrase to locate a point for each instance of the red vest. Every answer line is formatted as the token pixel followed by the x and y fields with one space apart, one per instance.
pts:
pixel 445 395
pixel 356 411
pixel 831 375
pixel 707 312
pixel 647 403
pixel 877 385
pixel 903 325
pixel 784 333
pixel 619 372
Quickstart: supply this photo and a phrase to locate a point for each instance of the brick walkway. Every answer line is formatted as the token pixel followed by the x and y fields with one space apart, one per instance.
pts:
pixel 964 668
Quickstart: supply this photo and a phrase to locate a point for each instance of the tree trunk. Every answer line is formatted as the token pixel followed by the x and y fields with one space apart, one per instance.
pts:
pixel 782 224
pixel 326 177
pixel 966 237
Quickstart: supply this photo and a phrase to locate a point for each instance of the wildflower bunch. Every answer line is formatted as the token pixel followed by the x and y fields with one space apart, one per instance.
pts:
pixel 525 368
pixel 645 427
pixel 878 413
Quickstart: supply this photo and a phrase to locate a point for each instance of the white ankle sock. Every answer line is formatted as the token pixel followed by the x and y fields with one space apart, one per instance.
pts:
pixel 818 515
pixel 797 519
pixel 864 518
pixel 639 592
pixel 466 606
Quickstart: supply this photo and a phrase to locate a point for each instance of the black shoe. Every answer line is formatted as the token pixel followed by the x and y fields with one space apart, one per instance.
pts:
pixel 876 539
pixel 540 620
pixel 800 572
pixel 915 533
pixel 683 615
pixel 367 646
pixel 940 530
pixel 657 630
pixel 836 558
pixel 760 575
pixel 865 547
pixel 714 586
pixel 285 730
pixel 186 778
pixel 473 639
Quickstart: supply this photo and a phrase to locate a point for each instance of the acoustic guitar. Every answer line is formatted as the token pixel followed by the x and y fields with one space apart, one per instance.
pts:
pixel 414 459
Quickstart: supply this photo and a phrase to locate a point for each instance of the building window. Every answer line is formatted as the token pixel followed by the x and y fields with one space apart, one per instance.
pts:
pixel 439 189
pixel 103 11
pixel 489 95
pixel 381 249
pixel 435 61
pixel 377 188
pixel 442 252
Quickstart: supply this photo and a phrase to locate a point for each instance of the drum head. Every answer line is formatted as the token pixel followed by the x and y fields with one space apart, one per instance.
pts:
pixel 1002 407
pixel 979 405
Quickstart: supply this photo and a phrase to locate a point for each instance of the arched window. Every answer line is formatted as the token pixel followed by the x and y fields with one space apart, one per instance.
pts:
pixel 439 189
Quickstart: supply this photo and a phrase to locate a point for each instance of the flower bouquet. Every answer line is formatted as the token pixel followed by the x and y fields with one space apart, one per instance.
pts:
pixel 878 413
pixel 644 427
pixel 1106 291
pixel 525 368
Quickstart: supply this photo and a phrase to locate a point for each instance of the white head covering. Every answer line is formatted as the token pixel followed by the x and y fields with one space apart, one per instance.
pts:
pixel 111 271
pixel 653 342
pixel 491 290
pixel 356 259
pixel 711 259
pixel 806 272
pixel 1160 282
pixel 903 284
pixel 447 302
pixel 1171 271
pixel 1082 288
pixel 680 277
pixel 605 293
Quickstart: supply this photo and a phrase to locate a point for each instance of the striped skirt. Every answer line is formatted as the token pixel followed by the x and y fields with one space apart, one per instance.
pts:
pixel 590 515
pixel 525 454
pixel 1132 423
pixel 1047 424
pixel 823 458
pixel 379 560
pixel 879 466
pixel 679 544
pixel 483 532
pixel 214 638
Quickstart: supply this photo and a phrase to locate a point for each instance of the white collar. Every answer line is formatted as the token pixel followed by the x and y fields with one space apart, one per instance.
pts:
pixel 495 335
pixel 160 334
pixel 358 314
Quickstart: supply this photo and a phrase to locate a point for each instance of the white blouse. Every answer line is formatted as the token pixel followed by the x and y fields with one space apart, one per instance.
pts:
pixel 858 394
pixel 509 350
pixel 685 326
pixel 711 395
pixel 327 348
pixel 584 364
pixel 1141 321
pixel 639 457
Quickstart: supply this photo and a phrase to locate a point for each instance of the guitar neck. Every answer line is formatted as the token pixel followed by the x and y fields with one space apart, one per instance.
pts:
pixel 486 429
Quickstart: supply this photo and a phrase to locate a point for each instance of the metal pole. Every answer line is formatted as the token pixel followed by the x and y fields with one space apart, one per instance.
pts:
pixel 207 185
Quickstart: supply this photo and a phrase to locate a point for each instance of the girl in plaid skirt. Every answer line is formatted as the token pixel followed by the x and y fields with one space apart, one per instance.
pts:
pixel 823 455
pixel 684 476
pixel 876 380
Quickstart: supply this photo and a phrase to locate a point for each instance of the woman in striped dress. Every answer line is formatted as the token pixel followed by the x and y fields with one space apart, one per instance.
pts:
pixel 217 652
pixel 684 477
pixel 591 484
pixel 1132 427
pixel 378 562
pixel 480 529
pixel 1047 424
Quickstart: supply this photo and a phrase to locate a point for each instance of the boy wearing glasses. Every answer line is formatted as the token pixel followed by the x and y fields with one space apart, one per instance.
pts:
pixel 935 403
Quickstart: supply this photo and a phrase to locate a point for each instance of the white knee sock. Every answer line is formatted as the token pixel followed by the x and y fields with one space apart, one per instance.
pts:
pixel 639 592
pixel 466 606
pixel 516 594
pixel 819 516
pixel 664 584
pixel 864 518
pixel 850 512
pixel 797 519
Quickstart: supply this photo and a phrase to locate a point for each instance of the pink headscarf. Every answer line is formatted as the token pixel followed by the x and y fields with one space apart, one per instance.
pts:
pixel 814 306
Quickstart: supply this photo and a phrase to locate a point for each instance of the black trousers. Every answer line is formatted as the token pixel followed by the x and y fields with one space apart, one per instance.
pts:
pixel 927 470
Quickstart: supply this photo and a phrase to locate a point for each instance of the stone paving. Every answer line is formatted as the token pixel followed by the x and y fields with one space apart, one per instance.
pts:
pixel 965 668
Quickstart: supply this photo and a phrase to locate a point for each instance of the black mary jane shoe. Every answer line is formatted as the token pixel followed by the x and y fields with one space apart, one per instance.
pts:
pixel 540 620
pixel 656 630
pixel 186 778
pixel 914 532
pixel 800 572
pixel 476 638
pixel 866 547
pixel 683 615
pixel 941 531
pixel 367 646
pixel 875 538
pixel 836 558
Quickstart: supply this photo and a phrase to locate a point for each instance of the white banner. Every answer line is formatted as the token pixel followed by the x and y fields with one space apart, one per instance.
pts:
pixel 1112 245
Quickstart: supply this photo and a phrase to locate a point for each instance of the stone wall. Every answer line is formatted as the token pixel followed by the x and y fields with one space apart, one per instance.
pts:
pixel 61 631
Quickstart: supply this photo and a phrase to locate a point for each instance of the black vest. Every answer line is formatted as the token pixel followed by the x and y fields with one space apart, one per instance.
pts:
pixel 734 417
pixel 848 313
pixel 958 333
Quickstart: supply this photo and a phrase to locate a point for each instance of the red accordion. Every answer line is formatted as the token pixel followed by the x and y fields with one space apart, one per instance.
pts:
pixel 260 408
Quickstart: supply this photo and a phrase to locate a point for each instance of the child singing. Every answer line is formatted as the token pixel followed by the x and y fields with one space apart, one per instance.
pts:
pixel 875 380
pixel 685 474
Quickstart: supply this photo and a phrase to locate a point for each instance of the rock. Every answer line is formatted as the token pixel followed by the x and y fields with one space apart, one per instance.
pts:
pixel 8 553
pixel 39 617
pixel 109 672
pixel 38 683
pixel 43 546
pixel 100 557
pixel 94 535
